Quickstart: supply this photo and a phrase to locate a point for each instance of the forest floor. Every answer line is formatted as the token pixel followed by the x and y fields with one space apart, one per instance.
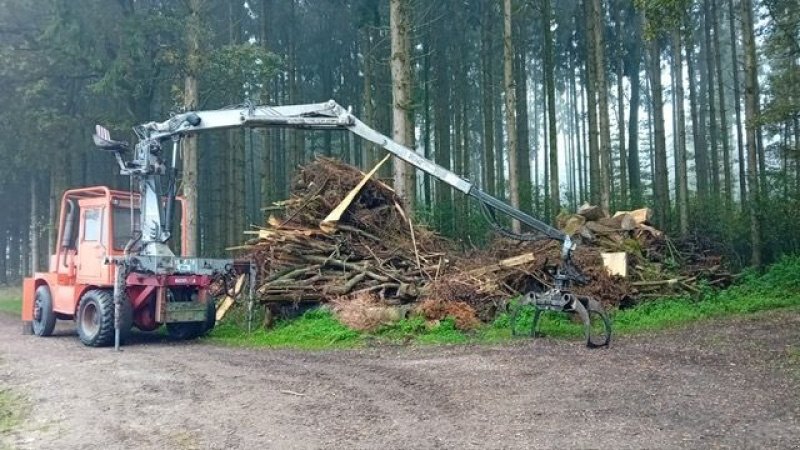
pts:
pixel 729 382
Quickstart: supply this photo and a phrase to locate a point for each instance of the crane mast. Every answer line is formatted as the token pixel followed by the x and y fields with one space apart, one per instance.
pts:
pixel 150 163
pixel 332 116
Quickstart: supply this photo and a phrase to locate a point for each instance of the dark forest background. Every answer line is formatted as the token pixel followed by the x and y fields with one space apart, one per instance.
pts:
pixel 689 107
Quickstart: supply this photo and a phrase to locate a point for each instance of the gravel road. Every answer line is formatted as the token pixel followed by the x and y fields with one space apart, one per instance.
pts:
pixel 729 383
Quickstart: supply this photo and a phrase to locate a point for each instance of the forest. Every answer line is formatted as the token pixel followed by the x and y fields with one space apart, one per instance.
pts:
pixel 689 107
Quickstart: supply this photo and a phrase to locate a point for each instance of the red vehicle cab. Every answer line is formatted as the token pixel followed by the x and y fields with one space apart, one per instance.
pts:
pixel 95 225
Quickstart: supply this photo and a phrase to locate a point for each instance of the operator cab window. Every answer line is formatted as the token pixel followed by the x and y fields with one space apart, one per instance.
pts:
pixel 122 226
pixel 92 225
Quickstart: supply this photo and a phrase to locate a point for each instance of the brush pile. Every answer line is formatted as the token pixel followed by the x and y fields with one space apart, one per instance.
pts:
pixel 343 238
pixel 371 249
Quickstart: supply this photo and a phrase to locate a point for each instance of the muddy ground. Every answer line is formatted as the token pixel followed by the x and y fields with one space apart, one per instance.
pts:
pixel 730 383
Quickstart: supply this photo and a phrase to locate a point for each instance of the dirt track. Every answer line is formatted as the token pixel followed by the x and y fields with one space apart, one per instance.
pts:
pixel 732 383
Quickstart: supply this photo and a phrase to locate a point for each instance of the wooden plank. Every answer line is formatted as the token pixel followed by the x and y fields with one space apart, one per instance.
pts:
pixel 224 306
pixel 329 223
pixel 507 263
pixel 615 263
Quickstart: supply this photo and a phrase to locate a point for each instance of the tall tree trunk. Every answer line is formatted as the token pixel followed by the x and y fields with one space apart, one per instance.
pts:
pixel 443 142
pixel 660 177
pixel 598 15
pixel 634 168
pixel 698 119
pixel 737 99
pixel 13 265
pixel 4 252
pixel 549 71
pixel 681 178
pixel 34 229
pixel 591 105
pixel 511 108
pixel 723 113
pixel 194 30
pixel 402 104
pixel 487 84
pixel 371 152
pixel 426 105
pixel 712 117
pixel 523 136
pixel 620 50
pixel 751 127
pixel 578 136
pixel 295 137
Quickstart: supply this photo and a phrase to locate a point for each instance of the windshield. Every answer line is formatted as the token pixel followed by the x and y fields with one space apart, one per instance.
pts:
pixel 122 226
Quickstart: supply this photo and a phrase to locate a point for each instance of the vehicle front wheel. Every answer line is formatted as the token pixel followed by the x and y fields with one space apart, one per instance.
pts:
pixel 96 318
pixel 184 331
pixel 44 318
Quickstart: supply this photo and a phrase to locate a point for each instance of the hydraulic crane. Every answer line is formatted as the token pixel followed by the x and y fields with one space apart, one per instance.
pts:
pixel 147 255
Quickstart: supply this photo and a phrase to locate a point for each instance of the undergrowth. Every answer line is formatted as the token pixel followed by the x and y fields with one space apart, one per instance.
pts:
pixel 11 411
pixel 778 287
pixel 11 300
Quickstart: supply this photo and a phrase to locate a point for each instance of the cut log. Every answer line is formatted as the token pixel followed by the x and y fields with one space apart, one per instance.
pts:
pixel 616 263
pixel 623 222
pixel 591 212
pixel 572 224
pixel 600 229
pixel 504 264
pixel 640 216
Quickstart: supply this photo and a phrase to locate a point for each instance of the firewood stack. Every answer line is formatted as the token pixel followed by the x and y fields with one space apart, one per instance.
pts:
pixel 344 235
pixel 372 247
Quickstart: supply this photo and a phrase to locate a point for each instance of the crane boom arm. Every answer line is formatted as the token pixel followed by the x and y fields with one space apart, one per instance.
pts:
pixel 332 116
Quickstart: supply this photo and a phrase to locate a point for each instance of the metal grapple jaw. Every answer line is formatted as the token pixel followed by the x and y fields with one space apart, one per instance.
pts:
pixel 596 324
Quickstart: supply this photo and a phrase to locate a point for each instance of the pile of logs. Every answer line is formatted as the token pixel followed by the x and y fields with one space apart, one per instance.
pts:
pixel 344 235
pixel 370 247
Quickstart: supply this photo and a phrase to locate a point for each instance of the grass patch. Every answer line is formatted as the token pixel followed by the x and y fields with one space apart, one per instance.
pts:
pixel 778 287
pixel 11 409
pixel 314 329
pixel 11 300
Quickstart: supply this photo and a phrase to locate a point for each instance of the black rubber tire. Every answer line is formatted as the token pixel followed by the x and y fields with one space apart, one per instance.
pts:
pixel 184 331
pixel 211 315
pixel 590 310
pixel 95 319
pixel 46 323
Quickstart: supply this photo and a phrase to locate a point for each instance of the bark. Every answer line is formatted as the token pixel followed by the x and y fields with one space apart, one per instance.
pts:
pixel 737 99
pixel 681 178
pixel 698 121
pixel 620 49
pixel 576 108
pixel 443 155
pixel 523 136
pixel 634 168
pixel 487 84
pixel 402 104
pixel 34 231
pixel 723 113
pixel 426 130
pixel 598 14
pixel 194 30
pixel 4 252
pixel 712 117
pixel 13 243
pixel 751 128
pixel 549 72
pixel 511 108
pixel 660 177
pixel 591 106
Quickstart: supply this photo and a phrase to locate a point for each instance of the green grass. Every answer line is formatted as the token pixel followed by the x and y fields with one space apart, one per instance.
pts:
pixel 314 329
pixel 778 287
pixel 11 300
pixel 11 411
